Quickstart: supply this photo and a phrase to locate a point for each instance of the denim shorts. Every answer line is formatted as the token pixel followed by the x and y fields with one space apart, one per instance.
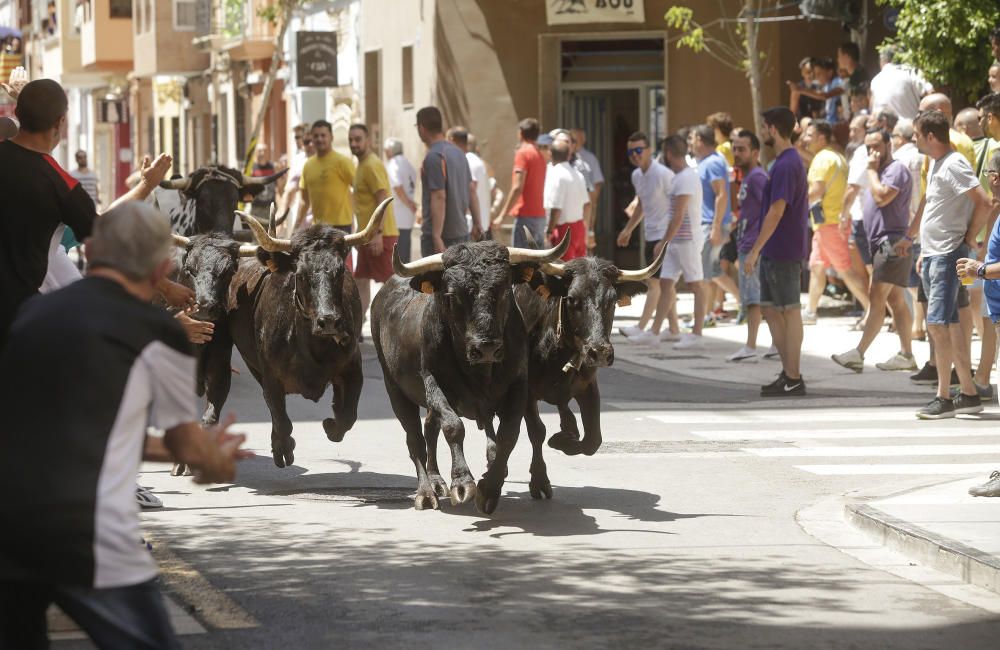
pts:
pixel 941 285
pixel 860 239
pixel 749 284
pixel 710 255
pixel 780 283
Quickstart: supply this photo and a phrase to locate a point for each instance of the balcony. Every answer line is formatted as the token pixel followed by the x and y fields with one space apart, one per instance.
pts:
pixel 106 35
pixel 235 28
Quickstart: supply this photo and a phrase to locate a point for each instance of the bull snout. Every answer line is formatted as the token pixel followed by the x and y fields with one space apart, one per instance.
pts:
pixel 331 326
pixel 600 355
pixel 485 351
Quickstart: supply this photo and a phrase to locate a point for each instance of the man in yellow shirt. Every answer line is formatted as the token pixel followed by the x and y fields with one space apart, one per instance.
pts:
pixel 827 183
pixel 371 187
pixel 326 182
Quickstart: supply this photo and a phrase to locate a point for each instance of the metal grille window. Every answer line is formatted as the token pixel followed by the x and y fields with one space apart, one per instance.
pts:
pixel 185 14
pixel 121 8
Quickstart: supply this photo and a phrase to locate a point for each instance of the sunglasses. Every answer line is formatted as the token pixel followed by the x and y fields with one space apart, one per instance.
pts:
pixel 636 151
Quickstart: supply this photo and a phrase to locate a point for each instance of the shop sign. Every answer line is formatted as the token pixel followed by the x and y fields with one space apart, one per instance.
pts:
pixel 575 12
pixel 316 59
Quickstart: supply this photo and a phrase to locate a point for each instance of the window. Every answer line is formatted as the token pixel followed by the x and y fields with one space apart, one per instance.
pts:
pixel 121 8
pixel 185 15
pixel 408 75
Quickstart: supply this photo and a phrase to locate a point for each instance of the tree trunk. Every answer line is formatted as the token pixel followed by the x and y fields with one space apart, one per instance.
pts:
pixel 265 99
pixel 750 12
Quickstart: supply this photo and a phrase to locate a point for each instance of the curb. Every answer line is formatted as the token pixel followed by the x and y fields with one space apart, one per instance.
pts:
pixel 930 549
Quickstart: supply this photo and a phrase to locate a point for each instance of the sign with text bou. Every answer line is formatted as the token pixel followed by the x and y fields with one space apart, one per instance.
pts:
pixel 575 12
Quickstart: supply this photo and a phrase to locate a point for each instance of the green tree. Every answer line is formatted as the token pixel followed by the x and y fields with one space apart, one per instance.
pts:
pixel 948 41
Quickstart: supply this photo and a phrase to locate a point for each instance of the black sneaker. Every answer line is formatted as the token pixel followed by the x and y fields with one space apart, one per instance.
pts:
pixel 937 409
pixel 774 388
pixel 784 387
pixel 925 376
pixel 967 404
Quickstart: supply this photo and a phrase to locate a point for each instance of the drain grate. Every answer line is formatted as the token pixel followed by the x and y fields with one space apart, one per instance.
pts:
pixel 347 494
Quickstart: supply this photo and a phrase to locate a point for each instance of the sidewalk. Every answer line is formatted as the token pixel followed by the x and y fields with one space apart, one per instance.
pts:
pixel 829 336
pixel 941 527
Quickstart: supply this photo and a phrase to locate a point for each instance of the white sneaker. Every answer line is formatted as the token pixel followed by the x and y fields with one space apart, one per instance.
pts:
pixel 644 338
pixel 745 354
pixel 689 341
pixel 852 360
pixel 630 330
pixel 146 498
pixel 772 353
pixel 808 317
pixel 669 337
pixel 899 361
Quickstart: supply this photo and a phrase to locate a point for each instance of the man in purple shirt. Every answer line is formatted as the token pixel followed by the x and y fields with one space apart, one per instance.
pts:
pixel 746 155
pixel 886 208
pixel 781 248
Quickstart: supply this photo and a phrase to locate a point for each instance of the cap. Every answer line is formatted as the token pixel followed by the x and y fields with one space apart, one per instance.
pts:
pixel 544 140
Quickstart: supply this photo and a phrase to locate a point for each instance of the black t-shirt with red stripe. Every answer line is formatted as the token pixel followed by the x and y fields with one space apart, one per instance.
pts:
pixel 36 195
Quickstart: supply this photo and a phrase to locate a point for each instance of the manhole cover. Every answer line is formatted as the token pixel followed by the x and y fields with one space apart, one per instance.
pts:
pixel 356 495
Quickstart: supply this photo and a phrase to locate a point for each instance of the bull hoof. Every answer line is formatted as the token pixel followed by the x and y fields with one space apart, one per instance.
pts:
pixel 283 456
pixel 462 492
pixel 333 432
pixel 540 488
pixel 425 502
pixel 439 486
pixel 486 500
pixel 178 469
pixel 566 442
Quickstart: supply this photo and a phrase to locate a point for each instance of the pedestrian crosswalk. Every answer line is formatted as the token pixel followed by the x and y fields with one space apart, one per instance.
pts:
pixel 882 442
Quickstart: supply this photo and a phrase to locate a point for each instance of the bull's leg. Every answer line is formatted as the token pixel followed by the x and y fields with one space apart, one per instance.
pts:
pixel 491 444
pixel 432 428
pixel 408 415
pixel 590 412
pixel 511 412
pixel 282 442
pixel 567 439
pixel 463 486
pixel 346 395
pixel 539 484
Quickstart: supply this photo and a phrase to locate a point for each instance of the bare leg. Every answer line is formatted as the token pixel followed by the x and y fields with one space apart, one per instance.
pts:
pixel 876 314
pixel 652 298
pixel 858 286
pixel 365 292
pixel 666 303
pixel 987 354
pixel 901 317
pixel 943 356
pixel 817 282
pixel 776 324
pixel 753 325
pixel 793 343
pixel 701 291
pixel 728 286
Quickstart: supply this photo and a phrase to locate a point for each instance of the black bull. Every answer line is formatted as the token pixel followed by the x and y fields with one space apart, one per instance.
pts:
pixel 450 338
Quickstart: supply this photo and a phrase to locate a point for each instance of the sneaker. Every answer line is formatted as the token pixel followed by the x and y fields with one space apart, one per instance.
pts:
pixel 937 409
pixel 709 321
pixel 991 488
pixel 899 361
pixel 926 376
pixel 749 355
pixel 146 498
pixel 808 317
pixel 669 337
pixel 630 330
pixel 784 387
pixel 644 338
pixel 689 341
pixel 772 353
pixel 984 392
pixel 774 388
pixel 967 404
pixel 852 360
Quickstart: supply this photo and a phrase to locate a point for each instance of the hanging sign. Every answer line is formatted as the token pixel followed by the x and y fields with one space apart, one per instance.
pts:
pixel 316 59
pixel 575 12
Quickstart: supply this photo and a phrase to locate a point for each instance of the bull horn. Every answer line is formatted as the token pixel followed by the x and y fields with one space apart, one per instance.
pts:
pixel 270 221
pixel 374 226
pixel 176 183
pixel 646 273
pixel 180 241
pixel 423 265
pixel 266 241
pixel 248 250
pixel 522 255
pixel 263 180
pixel 553 268
pixel 528 237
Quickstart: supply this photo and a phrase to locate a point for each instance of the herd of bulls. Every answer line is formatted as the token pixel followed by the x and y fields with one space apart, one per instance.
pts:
pixel 482 332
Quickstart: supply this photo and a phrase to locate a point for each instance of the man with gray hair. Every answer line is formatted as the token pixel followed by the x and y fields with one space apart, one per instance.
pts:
pixel 403 181
pixel 897 87
pixel 96 366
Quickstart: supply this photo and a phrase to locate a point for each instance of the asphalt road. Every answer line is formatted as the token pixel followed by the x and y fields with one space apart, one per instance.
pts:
pixel 680 533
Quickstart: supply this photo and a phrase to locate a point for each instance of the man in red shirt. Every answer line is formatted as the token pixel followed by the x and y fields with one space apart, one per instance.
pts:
pixel 524 202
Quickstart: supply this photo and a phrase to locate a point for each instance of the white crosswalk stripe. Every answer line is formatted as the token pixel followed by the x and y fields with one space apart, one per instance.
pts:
pixel 916 431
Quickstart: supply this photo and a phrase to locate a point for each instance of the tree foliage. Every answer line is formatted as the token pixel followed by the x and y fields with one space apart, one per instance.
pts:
pixel 724 39
pixel 947 40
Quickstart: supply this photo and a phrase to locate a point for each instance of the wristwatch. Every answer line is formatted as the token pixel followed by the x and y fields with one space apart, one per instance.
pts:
pixel 981 271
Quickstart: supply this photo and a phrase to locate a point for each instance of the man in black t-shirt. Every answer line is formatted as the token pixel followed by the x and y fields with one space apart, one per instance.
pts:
pixel 90 367
pixel 39 196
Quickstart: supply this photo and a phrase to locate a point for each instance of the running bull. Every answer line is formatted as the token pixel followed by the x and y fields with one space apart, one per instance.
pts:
pixel 450 339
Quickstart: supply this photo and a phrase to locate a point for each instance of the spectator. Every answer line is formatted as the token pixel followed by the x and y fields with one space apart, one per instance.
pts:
pixel 73 540
pixel 524 202
pixel 683 255
pixel 955 208
pixel 746 152
pixel 260 207
pixel 780 250
pixel 567 201
pixel 303 150
pixel 851 214
pixel 799 141
pixel 447 188
pixel 859 100
pixel 716 213
pixel 886 220
pixel 849 60
pixel 371 187
pixel 87 178
pixel 722 124
pixel 325 186
pixel 830 88
pixel 480 177
pixel 805 106
pixel 403 179
pixel 994 78
pixel 827 183
pixel 905 151
pixel 652 182
pixel 544 144
pixel 959 141
pixel 897 87
pixel 581 165
pixel 596 174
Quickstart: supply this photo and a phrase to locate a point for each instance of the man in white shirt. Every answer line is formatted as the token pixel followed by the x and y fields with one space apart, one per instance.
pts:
pixel 304 149
pixel 596 175
pixel 403 180
pixel 459 136
pixel 897 87
pixel 652 182
pixel 567 201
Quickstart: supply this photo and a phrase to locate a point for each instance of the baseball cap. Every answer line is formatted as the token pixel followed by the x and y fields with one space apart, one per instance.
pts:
pixel 544 140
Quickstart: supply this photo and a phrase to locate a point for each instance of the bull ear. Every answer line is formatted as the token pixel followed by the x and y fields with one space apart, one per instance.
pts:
pixel 275 262
pixel 430 282
pixel 556 285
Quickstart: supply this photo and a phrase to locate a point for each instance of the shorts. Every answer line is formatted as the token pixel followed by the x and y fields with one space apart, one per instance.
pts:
pixel 914 276
pixel 963 295
pixel 829 248
pixel 749 285
pixel 889 267
pixel 860 239
pixel 780 283
pixel 710 267
pixel 683 258
pixel 577 240
pixel 376 267
pixel 729 251
pixel 942 286
pixel 650 250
